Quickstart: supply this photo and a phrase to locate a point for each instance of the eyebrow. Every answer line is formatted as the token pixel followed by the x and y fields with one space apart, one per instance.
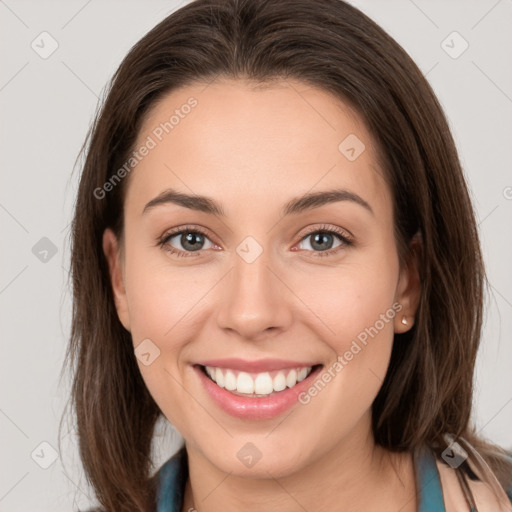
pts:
pixel 292 207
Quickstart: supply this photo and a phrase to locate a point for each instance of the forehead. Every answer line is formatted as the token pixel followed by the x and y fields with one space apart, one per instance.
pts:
pixel 232 139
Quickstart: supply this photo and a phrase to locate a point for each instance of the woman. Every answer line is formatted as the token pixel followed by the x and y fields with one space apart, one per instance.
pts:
pixel 274 248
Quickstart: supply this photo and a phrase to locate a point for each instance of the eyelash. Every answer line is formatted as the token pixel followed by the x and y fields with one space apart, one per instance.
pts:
pixel 346 240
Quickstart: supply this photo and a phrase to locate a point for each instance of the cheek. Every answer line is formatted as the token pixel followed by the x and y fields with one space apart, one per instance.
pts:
pixel 342 395
pixel 352 302
pixel 357 310
pixel 161 304
pixel 160 298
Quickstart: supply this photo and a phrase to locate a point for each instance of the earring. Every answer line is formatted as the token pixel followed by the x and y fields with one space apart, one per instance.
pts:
pixel 404 320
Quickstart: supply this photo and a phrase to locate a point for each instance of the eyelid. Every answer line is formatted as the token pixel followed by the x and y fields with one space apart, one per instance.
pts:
pixel 188 228
pixel 328 228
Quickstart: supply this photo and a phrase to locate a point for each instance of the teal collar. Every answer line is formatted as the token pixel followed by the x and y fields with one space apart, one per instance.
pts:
pixel 430 493
pixel 173 475
pixel 172 478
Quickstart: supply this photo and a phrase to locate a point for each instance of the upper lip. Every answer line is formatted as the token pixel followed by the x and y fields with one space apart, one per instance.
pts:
pixel 261 365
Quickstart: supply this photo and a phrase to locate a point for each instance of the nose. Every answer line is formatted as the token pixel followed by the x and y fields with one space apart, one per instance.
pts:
pixel 254 300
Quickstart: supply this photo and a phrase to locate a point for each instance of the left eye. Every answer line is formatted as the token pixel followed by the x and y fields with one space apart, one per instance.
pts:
pixel 191 241
pixel 323 240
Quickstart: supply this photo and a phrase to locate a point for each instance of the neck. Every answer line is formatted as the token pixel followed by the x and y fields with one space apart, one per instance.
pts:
pixel 355 473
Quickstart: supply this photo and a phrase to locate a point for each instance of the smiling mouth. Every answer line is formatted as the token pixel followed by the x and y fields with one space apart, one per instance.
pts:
pixel 261 384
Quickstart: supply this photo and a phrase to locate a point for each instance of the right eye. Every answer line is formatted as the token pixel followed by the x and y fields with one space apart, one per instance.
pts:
pixel 190 239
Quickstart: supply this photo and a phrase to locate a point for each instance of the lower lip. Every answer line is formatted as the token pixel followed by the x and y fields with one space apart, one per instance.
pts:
pixel 257 408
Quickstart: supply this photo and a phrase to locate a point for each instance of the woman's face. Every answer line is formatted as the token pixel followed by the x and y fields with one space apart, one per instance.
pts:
pixel 262 282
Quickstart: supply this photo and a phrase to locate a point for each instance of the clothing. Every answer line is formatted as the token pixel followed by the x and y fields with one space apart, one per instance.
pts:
pixel 173 475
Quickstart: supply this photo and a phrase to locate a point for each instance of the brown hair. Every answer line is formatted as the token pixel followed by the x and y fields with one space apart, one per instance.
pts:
pixel 329 44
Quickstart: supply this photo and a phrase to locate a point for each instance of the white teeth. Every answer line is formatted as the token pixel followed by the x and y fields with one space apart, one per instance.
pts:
pixel 302 374
pixel 244 383
pixel 261 384
pixel 219 377
pixel 230 381
pixel 279 382
pixel 291 378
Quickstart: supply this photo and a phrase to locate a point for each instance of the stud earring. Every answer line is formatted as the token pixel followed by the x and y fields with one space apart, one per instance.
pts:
pixel 404 320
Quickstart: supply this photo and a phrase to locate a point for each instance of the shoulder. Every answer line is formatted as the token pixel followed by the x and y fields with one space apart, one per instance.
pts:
pixel 169 482
pixel 482 484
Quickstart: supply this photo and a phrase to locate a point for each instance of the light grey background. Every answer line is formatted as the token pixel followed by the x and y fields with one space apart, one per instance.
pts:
pixel 46 107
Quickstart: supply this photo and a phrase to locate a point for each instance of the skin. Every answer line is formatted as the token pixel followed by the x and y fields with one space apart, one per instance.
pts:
pixel 252 150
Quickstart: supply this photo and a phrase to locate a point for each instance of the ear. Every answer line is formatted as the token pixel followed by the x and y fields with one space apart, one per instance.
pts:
pixel 112 253
pixel 409 287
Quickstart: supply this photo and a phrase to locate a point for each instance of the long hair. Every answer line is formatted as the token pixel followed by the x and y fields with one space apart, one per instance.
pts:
pixel 328 44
